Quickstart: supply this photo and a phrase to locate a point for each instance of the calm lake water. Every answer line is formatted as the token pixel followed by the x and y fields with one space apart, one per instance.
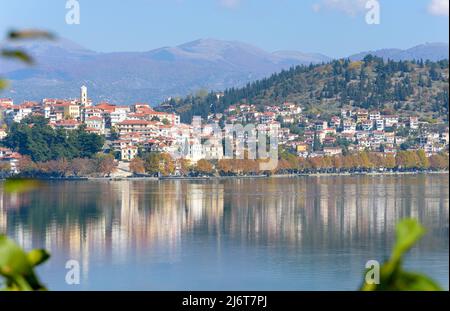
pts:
pixel 306 233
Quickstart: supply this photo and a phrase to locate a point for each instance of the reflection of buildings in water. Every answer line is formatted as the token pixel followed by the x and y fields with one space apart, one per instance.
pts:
pixel 204 205
pixel 263 211
pixel 328 211
pixel 8 202
pixel 140 219
pixel 157 214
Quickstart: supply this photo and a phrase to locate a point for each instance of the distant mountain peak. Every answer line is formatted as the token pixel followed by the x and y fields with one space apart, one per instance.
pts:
pixel 125 77
pixel 433 51
pixel 211 42
pixel 41 46
pixel 211 46
pixel 302 57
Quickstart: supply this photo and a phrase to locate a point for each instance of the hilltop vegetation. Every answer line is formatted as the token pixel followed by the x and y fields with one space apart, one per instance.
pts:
pixel 408 87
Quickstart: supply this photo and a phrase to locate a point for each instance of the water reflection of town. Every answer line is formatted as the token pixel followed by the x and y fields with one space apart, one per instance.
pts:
pixel 123 220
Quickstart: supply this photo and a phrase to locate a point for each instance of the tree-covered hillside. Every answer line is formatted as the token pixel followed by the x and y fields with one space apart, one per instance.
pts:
pixel 409 87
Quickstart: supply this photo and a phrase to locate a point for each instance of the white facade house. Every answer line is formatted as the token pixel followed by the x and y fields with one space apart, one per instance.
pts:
pixel 379 124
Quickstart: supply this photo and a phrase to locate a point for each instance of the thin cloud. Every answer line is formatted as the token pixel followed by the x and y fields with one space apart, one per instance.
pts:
pixel 349 7
pixel 438 7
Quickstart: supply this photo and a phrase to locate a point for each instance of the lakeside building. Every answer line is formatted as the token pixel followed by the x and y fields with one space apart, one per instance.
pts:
pixel 139 127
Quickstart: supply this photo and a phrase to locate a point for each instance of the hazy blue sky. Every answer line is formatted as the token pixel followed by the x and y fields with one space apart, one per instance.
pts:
pixel 333 27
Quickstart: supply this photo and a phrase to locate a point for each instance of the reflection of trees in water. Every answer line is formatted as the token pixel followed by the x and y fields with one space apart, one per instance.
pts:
pixel 59 203
pixel 336 212
pixel 123 218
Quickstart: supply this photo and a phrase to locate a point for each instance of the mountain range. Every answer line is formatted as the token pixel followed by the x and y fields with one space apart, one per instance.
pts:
pixel 63 66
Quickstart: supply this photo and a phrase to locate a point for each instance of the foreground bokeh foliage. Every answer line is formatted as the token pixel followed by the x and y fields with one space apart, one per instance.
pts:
pixel 393 277
pixel 17 266
pixel 18 54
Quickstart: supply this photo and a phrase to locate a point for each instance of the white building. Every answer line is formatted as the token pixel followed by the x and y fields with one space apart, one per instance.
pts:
pixel 390 121
pixel 17 114
pixel 128 152
pixel 414 123
pixel 379 124
pixel 118 116
pixel 96 123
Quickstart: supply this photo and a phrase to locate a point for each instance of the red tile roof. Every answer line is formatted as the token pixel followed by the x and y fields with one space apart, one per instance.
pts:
pixel 135 122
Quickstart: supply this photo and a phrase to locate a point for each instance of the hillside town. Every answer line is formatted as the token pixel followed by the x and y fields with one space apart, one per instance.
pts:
pixel 134 129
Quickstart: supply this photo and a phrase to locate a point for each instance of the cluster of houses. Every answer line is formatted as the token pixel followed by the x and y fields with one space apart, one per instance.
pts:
pixel 139 126
pixel 130 126
pixel 356 129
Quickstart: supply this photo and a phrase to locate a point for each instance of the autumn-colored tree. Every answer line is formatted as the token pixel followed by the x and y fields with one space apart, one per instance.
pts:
pixel 348 162
pixel 413 159
pixel 56 168
pixel 151 163
pixel 204 167
pixel 236 166
pixel 81 166
pixel 5 169
pixel 62 167
pixel 364 161
pixel 424 163
pixel 376 159
pixel 316 163
pixel 185 166
pixel 304 164
pixel 283 166
pixel 167 164
pixel 105 164
pixel 156 162
pixel 407 159
pixel 251 166
pixel 41 168
pixel 389 161
pixel 225 166
pixel 26 166
pixel 291 160
pixel 400 159
pixel 439 161
pixel 327 162
pixel 337 162
pixel 137 166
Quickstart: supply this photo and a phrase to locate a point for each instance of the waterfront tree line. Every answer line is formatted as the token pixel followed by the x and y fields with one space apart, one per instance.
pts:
pixel 162 164
pixel 404 161
pixel 100 165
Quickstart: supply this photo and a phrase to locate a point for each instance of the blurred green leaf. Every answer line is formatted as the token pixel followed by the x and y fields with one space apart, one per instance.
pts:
pixel 414 282
pixel 20 185
pixel 30 34
pixel 21 55
pixel 3 84
pixel 37 256
pixel 17 267
pixel 17 54
pixel 409 232
pixel 13 260
pixel 392 275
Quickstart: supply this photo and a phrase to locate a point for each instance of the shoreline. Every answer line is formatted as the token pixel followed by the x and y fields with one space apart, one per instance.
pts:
pixel 203 178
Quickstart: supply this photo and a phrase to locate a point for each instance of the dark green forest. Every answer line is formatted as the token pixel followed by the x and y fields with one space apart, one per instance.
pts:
pixel 418 86
pixel 35 138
